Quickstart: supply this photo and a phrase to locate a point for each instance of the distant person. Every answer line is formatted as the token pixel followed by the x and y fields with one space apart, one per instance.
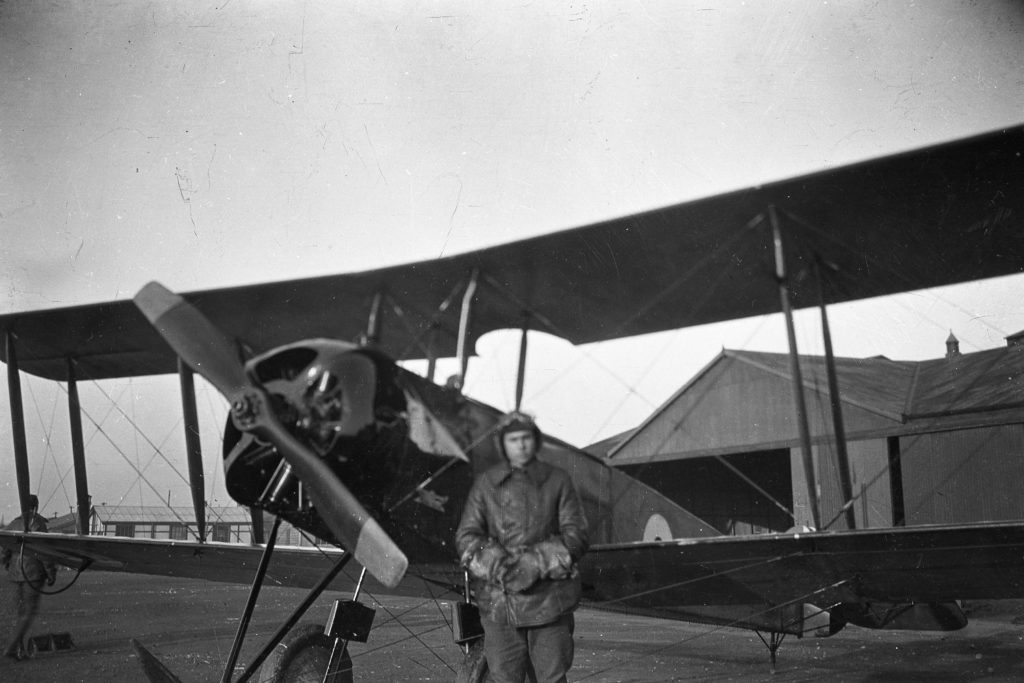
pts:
pixel 521 534
pixel 27 574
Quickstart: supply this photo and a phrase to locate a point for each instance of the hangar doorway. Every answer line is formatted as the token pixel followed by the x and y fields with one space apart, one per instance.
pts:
pixel 711 490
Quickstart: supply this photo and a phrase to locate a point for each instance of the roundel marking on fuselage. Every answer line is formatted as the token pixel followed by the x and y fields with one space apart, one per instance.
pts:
pixel 657 529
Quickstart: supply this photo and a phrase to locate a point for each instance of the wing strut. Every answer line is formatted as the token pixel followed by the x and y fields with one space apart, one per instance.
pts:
pixel 17 423
pixel 794 362
pixel 431 352
pixel 842 457
pixel 193 448
pixel 372 336
pixel 521 371
pixel 78 450
pixel 464 323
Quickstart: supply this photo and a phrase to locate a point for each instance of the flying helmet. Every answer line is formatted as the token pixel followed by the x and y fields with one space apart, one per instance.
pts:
pixel 517 421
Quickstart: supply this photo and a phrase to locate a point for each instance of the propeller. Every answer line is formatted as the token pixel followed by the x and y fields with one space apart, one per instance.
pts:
pixel 213 355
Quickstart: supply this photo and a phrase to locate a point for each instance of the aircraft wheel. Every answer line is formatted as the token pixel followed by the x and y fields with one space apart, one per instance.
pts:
pixel 302 657
pixel 474 665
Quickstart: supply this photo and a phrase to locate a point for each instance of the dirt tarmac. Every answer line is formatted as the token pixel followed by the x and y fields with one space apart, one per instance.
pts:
pixel 190 626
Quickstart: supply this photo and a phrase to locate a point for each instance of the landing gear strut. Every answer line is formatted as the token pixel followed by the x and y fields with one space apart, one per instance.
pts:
pixel 311 653
pixel 772 642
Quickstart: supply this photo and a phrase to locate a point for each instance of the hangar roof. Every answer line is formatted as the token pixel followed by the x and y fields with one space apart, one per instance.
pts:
pixel 906 390
pixel 877 384
pixel 902 391
pixel 969 382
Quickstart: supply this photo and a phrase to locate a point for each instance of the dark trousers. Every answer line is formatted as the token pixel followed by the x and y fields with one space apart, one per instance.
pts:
pixel 512 651
pixel 24 603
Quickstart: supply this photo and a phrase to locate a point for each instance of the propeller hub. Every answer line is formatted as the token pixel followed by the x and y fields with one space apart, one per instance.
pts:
pixel 245 410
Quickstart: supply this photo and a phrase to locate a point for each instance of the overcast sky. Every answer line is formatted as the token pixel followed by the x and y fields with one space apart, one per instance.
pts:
pixel 207 144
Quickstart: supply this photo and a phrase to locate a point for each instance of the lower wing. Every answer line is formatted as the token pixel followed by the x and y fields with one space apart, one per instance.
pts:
pixel 680 579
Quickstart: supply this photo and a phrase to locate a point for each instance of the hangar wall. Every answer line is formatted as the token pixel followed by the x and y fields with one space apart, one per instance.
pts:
pixel 929 442
pixel 734 407
pixel 966 475
pixel 869 476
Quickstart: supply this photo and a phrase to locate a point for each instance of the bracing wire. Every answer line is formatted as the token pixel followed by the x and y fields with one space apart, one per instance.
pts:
pixel 142 468
pixel 397 618
pixel 47 430
pixel 394 616
pixel 112 406
pixel 714 629
pixel 128 460
pixel 48 438
pixel 135 436
pixel 757 487
pixel 679 281
pixel 698 579
pixel 679 424
pixel 138 430
pixel 614 410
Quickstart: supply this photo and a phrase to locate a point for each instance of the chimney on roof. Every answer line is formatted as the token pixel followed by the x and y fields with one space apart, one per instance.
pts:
pixel 952 346
pixel 1016 340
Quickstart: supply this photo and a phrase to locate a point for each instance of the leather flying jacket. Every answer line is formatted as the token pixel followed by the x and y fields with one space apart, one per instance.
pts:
pixel 521 534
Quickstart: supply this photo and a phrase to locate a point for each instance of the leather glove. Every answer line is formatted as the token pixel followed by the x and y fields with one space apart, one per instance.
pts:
pixel 522 570
pixel 485 563
pixel 555 560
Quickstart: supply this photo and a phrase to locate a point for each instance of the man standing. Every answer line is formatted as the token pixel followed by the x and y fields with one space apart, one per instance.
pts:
pixel 521 534
pixel 27 574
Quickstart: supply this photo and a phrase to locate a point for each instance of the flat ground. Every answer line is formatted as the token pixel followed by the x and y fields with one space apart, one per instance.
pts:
pixel 190 625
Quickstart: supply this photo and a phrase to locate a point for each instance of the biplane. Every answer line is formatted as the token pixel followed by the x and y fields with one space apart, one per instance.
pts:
pixel 328 432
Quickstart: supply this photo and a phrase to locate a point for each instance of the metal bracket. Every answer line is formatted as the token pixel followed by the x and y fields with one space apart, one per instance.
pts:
pixel 350 620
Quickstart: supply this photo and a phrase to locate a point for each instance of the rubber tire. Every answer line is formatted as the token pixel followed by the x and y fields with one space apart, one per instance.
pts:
pixel 302 657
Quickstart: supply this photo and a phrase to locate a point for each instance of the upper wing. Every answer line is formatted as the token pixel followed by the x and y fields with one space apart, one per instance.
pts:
pixel 901 565
pixel 935 216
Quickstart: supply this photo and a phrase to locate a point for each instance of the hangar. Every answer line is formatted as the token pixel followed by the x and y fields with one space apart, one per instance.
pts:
pixel 934 441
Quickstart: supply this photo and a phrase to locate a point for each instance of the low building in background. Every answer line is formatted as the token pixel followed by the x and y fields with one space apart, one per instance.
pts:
pixel 228 524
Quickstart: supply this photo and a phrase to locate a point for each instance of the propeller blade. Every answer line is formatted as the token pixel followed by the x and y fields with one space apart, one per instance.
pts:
pixel 193 337
pixel 205 347
pixel 350 522
pixel 154 669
